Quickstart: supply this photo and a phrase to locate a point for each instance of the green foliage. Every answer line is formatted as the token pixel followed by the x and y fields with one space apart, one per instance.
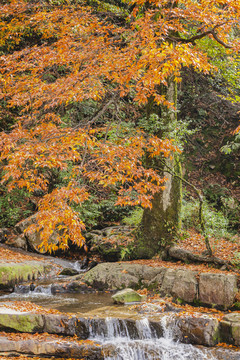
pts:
pixel 134 218
pixel 221 199
pixel 110 212
pixel 14 207
pixel 228 67
pixel 88 212
pixel 215 221
pixel 154 125
pixel 127 252
pixel 236 260
pixel 232 146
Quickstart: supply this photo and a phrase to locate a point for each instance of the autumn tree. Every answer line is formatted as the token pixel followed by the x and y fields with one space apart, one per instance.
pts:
pixel 57 56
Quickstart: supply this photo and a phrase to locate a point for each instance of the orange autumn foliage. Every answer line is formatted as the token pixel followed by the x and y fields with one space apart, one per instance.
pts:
pixel 103 62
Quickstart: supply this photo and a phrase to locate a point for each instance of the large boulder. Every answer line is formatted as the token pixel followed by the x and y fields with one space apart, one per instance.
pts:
pixel 185 285
pixel 179 283
pixel 33 237
pixel 217 289
pixel 114 276
pixel 18 242
pixel 110 242
pixel 15 273
pixel 127 296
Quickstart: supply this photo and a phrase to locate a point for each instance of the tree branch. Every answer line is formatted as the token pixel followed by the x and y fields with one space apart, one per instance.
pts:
pixel 200 36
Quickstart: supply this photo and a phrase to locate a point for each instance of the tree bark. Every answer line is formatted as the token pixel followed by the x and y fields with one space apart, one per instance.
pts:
pixel 161 223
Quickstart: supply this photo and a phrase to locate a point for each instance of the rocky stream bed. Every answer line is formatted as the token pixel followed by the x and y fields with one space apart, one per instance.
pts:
pixel 44 314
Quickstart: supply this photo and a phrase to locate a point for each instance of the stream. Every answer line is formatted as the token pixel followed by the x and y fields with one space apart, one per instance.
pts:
pixel 121 339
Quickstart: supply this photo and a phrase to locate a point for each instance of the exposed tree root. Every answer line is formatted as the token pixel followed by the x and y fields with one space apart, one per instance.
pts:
pixel 178 253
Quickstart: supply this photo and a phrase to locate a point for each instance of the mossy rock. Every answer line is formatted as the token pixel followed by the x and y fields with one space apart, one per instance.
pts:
pixel 127 296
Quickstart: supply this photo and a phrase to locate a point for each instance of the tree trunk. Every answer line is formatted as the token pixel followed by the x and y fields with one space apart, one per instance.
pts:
pixel 161 223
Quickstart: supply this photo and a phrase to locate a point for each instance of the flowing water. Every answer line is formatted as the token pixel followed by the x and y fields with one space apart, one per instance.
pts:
pixel 47 297
pixel 122 343
pixel 122 339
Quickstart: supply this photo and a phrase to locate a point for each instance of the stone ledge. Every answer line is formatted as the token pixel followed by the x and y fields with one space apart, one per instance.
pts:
pixel 214 289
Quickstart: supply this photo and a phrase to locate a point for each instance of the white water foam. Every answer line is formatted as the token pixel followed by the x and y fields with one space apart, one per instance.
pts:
pixel 116 339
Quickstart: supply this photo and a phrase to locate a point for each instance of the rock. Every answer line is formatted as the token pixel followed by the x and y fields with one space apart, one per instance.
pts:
pixel 65 325
pixel 167 282
pixel 19 242
pixel 230 329
pixel 71 287
pixel 33 238
pixel 211 289
pixel 200 330
pixel 92 264
pixel 69 272
pixel 4 234
pixel 21 322
pixel 15 273
pixel 217 289
pixel 179 283
pixel 50 347
pixel 109 242
pixel 185 285
pixel 114 276
pixel 127 296
pixel 156 282
pixel 225 354
pixel 150 273
pixel 28 322
pixel 32 287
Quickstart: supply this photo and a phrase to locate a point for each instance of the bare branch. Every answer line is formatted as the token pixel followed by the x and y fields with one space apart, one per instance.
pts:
pixel 200 36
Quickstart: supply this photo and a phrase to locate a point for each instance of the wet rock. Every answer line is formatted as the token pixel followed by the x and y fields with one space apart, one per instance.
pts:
pixel 230 329
pixel 32 287
pixel 71 287
pixel 201 330
pixel 217 289
pixel 92 264
pixel 158 307
pixel 60 325
pixel 84 263
pixel 19 242
pixel 69 272
pixel 21 289
pixel 127 296
pixel 225 354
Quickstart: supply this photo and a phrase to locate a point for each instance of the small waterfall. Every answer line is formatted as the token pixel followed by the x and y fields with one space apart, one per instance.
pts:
pixel 116 329
pixel 144 329
pixel 138 340
pixel 23 291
